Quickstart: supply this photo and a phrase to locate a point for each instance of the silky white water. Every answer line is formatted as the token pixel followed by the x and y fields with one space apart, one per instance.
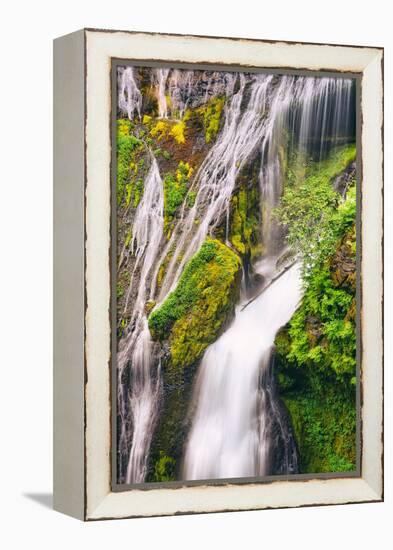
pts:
pixel 228 436
pixel 137 404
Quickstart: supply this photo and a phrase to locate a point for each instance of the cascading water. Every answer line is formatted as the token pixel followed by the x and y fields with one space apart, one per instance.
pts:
pixel 138 400
pixel 162 76
pixel 217 175
pixel 230 436
pixel 130 98
pixel 237 422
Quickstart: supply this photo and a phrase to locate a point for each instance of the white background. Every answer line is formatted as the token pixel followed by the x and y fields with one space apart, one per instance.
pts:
pixel 27 29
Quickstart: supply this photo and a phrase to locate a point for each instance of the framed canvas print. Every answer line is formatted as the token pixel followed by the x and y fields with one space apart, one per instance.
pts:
pixel 218 274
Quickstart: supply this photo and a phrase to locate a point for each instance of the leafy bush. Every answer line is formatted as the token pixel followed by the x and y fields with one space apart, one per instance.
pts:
pixel 316 351
pixel 315 214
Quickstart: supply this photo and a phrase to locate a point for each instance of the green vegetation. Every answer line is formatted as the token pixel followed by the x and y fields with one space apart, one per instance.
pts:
pixel 175 190
pixel 164 468
pixel 316 351
pixel 314 213
pixel 168 128
pixel 245 224
pixel 178 132
pixel 194 313
pixel 212 117
pixel 130 165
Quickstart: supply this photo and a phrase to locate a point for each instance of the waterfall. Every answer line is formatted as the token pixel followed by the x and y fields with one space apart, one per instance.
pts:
pixel 162 76
pixel 217 175
pixel 138 400
pixel 230 436
pixel 130 98
pixel 237 422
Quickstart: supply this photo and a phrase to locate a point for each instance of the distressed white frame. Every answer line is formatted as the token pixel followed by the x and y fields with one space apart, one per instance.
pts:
pixel 100 501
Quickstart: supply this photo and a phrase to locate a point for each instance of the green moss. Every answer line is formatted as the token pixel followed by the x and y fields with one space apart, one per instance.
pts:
pixel 164 468
pixel 129 164
pixel 138 192
pixel 124 127
pixel 119 290
pixel 212 117
pixel 193 314
pixel 244 225
pixel 128 238
pixel 324 423
pixel 178 132
pixel 191 196
pixel 175 191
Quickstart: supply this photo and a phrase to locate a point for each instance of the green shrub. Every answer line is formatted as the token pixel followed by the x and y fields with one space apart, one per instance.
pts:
pixel 314 213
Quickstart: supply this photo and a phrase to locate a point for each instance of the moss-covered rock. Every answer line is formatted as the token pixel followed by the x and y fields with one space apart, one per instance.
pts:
pixel 196 311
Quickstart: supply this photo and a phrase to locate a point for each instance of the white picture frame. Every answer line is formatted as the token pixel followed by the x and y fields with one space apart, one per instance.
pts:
pixel 82 242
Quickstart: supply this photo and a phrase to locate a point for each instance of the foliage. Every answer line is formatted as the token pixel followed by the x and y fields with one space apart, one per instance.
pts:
pixel 316 364
pixel 138 192
pixel 127 146
pixel 130 165
pixel 178 131
pixel 191 196
pixel 160 130
pixel 164 468
pixel 165 128
pixel 175 190
pixel 124 127
pixel 193 314
pixel 212 116
pixel 324 423
pixel 314 213
pixel 245 227
pixel 316 351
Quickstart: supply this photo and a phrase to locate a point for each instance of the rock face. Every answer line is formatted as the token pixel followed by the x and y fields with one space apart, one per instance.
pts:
pixel 343 181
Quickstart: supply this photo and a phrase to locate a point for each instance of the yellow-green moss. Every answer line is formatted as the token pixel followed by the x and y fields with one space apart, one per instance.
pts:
pixel 178 132
pixel 212 117
pixel 160 130
pixel 146 119
pixel 244 226
pixel 175 190
pixel 193 314
pixel 124 126
pixel 168 128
